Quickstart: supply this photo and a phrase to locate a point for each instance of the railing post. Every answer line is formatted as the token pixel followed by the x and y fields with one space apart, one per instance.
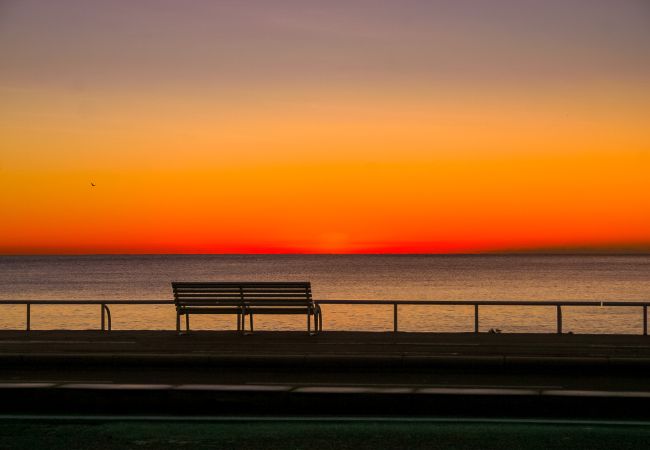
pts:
pixel 645 320
pixel 101 309
pixel 108 316
pixel 476 318
pixel 28 322
pixel 559 319
pixel 394 317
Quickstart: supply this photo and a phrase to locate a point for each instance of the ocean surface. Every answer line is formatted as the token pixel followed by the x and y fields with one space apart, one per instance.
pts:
pixel 427 277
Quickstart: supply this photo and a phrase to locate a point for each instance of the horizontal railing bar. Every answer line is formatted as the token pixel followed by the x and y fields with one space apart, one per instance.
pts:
pixel 356 302
pixel 485 302
pixel 86 302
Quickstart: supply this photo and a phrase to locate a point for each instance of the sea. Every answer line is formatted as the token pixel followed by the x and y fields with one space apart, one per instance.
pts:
pixel 349 277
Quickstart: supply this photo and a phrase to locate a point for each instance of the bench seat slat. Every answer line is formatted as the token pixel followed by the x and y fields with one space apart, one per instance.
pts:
pixel 239 286
pixel 238 304
pixel 265 301
pixel 253 303
pixel 200 310
pixel 245 295
pixel 223 284
pixel 275 310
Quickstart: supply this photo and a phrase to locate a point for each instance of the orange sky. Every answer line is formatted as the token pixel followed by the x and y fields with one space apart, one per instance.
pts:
pixel 534 142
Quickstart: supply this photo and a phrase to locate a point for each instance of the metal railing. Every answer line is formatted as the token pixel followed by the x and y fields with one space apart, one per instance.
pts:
pixel 105 313
pixel 558 304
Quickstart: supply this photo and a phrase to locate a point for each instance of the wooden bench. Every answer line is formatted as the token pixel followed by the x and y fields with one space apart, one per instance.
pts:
pixel 245 298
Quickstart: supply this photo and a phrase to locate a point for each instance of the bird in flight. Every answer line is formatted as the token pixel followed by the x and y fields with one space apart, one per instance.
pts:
pixel 92 184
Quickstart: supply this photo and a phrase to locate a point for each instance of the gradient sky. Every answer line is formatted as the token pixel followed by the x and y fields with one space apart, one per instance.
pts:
pixel 324 126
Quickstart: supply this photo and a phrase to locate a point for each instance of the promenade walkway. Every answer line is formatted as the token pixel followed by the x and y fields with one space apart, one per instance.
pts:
pixel 386 348
pixel 334 372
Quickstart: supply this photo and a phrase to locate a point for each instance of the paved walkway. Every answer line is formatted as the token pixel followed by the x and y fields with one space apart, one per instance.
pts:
pixel 405 373
pixel 381 353
pixel 331 343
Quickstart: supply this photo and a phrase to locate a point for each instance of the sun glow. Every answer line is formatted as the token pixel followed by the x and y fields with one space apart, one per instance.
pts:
pixel 198 148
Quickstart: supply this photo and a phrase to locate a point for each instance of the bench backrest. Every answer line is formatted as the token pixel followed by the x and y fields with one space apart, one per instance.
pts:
pixel 229 293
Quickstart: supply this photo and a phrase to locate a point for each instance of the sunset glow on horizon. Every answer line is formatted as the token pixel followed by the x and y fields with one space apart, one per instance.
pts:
pixel 324 127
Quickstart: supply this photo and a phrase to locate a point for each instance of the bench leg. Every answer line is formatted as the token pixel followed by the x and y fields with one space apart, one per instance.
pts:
pixel 238 321
pixel 251 321
pixel 320 320
pixel 178 324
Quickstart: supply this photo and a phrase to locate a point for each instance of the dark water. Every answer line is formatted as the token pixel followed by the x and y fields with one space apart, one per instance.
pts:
pixel 502 277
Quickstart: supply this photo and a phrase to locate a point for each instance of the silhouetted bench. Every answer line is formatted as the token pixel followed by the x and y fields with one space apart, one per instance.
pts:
pixel 245 298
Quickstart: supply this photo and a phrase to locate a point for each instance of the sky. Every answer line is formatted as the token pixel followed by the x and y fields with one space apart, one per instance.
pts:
pixel 355 126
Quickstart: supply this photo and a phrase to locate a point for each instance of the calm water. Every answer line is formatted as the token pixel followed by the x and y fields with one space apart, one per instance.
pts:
pixel 519 277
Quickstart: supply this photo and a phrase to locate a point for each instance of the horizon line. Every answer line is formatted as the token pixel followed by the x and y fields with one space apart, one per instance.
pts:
pixel 487 253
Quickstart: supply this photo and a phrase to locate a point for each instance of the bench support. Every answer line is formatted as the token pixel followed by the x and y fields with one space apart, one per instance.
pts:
pixel 178 323
pixel 395 318
pixel 240 322
pixel 316 314
pixel 105 317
